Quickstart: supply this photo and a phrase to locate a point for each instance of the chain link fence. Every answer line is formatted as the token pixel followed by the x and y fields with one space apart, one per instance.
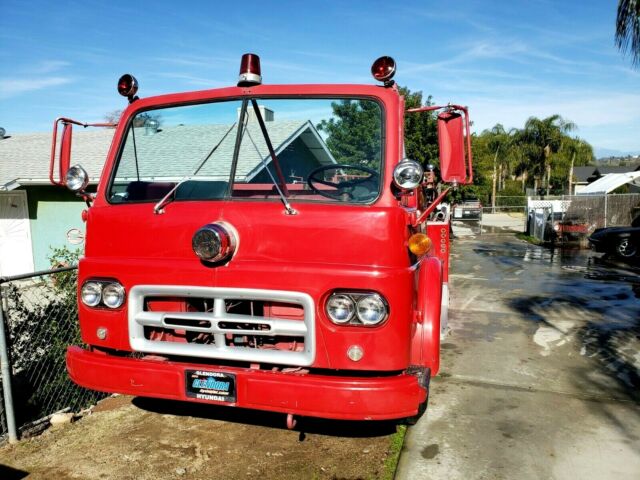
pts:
pixel 40 317
pixel 572 218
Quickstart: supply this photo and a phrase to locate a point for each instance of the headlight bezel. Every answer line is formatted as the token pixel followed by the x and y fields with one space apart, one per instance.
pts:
pixel 104 284
pixel 77 179
pixel 357 297
pixel 119 291
pixel 222 234
pixel 91 284
pixel 404 167
pixel 348 302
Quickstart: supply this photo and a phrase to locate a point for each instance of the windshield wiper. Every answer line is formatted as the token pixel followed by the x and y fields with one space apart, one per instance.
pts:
pixel 158 207
pixel 283 193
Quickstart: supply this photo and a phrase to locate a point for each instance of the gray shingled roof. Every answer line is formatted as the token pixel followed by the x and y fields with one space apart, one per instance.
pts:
pixel 24 159
pixel 582 174
pixel 176 151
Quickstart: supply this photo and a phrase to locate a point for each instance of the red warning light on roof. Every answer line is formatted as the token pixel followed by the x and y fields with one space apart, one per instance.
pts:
pixel 383 69
pixel 249 70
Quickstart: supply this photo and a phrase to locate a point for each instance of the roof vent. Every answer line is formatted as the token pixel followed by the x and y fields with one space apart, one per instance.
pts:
pixel 151 126
pixel 2 133
pixel 267 113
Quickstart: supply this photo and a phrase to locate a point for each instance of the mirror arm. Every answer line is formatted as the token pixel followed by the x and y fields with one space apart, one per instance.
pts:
pixel 423 216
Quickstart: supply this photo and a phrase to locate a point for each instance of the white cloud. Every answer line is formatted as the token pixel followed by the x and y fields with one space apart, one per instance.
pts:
pixel 10 87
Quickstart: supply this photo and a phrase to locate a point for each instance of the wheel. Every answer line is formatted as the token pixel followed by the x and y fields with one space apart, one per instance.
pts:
pixel 625 248
pixel 357 189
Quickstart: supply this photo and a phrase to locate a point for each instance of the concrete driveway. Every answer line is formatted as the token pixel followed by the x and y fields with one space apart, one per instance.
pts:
pixel 540 370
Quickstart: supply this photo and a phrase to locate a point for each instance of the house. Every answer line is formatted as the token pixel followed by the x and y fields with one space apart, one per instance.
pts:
pixel 36 217
pixel 583 176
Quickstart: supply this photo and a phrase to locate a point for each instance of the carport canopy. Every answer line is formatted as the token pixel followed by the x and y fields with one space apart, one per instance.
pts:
pixel 610 182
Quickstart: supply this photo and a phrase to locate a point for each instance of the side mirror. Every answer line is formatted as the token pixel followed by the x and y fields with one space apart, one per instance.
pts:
pixel 454 140
pixel 65 149
pixel 64 157
pixel 455 148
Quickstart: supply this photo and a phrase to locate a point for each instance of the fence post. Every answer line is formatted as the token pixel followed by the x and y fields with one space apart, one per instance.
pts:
pixel 605 209
pixel 6 378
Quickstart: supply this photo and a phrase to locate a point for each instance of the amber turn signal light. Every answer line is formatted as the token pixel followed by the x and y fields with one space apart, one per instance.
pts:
pixel 419 244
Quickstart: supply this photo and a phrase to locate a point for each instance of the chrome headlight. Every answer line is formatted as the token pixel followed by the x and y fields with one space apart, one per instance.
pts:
pixel 340 308
pixel 357 308
pixel 214 242
pixel 77 179
pixel 113 295
pixel 408 174
pixel 91 293
pixel 371 309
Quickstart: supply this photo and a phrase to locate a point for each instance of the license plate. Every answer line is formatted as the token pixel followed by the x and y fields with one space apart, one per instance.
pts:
pixel 215 386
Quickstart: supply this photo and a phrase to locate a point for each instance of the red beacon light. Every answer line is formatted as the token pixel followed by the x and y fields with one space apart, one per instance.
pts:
pixel 249 70
pixel 383 70
pixel 128 87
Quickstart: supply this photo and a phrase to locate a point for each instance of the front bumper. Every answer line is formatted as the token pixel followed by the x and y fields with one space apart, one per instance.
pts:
pixel 338 397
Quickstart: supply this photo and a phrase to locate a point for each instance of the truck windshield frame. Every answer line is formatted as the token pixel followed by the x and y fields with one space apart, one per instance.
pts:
pixel 255 172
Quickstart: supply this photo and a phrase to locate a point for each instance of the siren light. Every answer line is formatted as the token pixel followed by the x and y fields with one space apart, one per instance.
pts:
pixel 249 70
pixel 383 70
pixel 128 87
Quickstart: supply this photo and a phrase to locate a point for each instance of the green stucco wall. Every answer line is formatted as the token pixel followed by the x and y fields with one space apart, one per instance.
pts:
pixel 53 211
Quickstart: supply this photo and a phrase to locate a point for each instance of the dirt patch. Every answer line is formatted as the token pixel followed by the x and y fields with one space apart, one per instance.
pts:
pixel 149 439
pixel 112 403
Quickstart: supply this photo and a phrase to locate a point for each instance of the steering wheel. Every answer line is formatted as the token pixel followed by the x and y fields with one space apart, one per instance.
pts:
pixel 355 188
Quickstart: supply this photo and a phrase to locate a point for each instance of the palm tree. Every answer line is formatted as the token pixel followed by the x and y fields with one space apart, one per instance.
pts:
pixel 541 138
pixel 628 29
pixel 499 144
pixel 580 153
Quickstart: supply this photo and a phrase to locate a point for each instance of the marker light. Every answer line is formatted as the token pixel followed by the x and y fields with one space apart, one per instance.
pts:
pixel 214 242
pixel 128 86
pixel 419 244
pixel 383 69
pixel 249 70
pixel 408 174
pixel 77 179
pixel 355 353
pixel 101 333
pixel 91 293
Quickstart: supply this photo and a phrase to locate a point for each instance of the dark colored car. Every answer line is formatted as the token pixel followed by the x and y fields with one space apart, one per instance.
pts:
pixel 469 209
pixel 623 242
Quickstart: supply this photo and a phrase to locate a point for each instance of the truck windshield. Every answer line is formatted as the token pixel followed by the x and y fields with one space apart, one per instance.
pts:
pixel 325 150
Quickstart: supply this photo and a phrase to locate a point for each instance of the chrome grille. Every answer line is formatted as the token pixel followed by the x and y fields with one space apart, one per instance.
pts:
pixel 218 322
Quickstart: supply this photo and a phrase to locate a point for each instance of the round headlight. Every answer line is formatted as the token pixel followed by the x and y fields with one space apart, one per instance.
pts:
pixel 340 308
pixel 91 293
pixel 407 174
pixel 113 295
pixel 372 309
pixel 214 242
pixel 77 179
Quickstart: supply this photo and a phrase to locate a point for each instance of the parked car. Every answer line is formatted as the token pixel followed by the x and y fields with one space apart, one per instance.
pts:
pixel 469 209
pixel 570 227
pixel 623 242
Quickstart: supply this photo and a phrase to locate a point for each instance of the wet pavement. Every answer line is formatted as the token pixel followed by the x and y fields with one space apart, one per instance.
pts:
pixel 540 369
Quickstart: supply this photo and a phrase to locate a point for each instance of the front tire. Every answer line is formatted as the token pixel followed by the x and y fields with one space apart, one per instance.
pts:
pixel 625 248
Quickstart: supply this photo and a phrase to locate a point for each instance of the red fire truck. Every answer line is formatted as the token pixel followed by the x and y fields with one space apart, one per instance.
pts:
pixel 266 247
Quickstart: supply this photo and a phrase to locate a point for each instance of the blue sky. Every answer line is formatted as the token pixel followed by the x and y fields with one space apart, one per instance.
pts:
pixel 506 60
